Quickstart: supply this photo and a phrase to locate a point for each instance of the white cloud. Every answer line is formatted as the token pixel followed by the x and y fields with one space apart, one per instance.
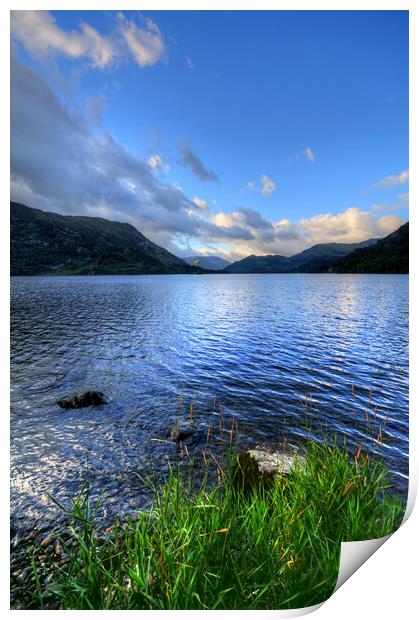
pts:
pixel 225 220
pixel 146 44
pixel 201 203
pixel 308 154
pixel 156 162
pixel 394 179
pixel 267 187
pixel 286 237
pixel 39 33
pixel 388 223
pixel 189 63
pixel 350 226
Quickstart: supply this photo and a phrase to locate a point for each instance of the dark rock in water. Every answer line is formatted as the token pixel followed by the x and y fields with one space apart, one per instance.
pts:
pixel 87 399
pixel 264 464
pixel 181 431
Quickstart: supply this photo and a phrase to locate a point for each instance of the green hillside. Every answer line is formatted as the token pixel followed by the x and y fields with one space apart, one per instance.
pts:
pixel 388 255
pixel 316 259
pixel 48 243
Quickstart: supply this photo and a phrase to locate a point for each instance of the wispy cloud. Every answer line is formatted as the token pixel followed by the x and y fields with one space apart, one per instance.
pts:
pixel 191 160
pixel 402 202
pixel 146 44
pixel 201 203
pixel 243 217
pixel 308 154
pixel 156 162
pixel 189 63
pixel 39 33
pixel 266 187
pixel 394 179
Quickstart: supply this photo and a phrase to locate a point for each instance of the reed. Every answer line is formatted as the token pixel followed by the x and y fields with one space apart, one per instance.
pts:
pixel 221 547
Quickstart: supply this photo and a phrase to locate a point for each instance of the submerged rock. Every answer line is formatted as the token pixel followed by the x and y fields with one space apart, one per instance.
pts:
pixel 181 431
pixel 91 398
pixel 263 464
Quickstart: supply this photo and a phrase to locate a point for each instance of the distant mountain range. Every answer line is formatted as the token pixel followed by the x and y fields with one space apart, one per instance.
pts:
pixel 44 243
pixel 47 243
pixel 388 255
pixel 320 257
pixel 213 263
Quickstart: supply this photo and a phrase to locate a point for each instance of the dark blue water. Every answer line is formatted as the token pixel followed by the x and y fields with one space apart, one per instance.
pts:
pixel 289 356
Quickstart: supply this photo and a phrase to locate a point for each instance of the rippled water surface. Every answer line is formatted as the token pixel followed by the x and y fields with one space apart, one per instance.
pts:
pixel 287 355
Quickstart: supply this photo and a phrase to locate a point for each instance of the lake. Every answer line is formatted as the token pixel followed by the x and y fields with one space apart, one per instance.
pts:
pixel 288 356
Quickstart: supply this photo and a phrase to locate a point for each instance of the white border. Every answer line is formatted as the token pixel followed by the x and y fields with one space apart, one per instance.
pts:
pixel 386 585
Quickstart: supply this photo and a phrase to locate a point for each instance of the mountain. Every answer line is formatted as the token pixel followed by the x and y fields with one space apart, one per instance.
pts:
pixel 44 243
pixel 48 243
pixel 213 263
pixel 259 264
pixel 388 255
pixel 317 258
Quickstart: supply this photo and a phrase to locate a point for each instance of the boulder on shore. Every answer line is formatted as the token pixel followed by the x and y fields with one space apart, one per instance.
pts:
pixel 92 398
pixel 264 464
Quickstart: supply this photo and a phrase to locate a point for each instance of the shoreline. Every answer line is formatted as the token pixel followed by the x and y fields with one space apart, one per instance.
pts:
pixel 211 273
pixel 55 556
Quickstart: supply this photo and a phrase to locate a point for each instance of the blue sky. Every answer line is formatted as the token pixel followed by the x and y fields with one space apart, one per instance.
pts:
pixel 224 133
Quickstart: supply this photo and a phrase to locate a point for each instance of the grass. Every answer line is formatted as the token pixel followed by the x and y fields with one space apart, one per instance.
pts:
pixel 224 546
